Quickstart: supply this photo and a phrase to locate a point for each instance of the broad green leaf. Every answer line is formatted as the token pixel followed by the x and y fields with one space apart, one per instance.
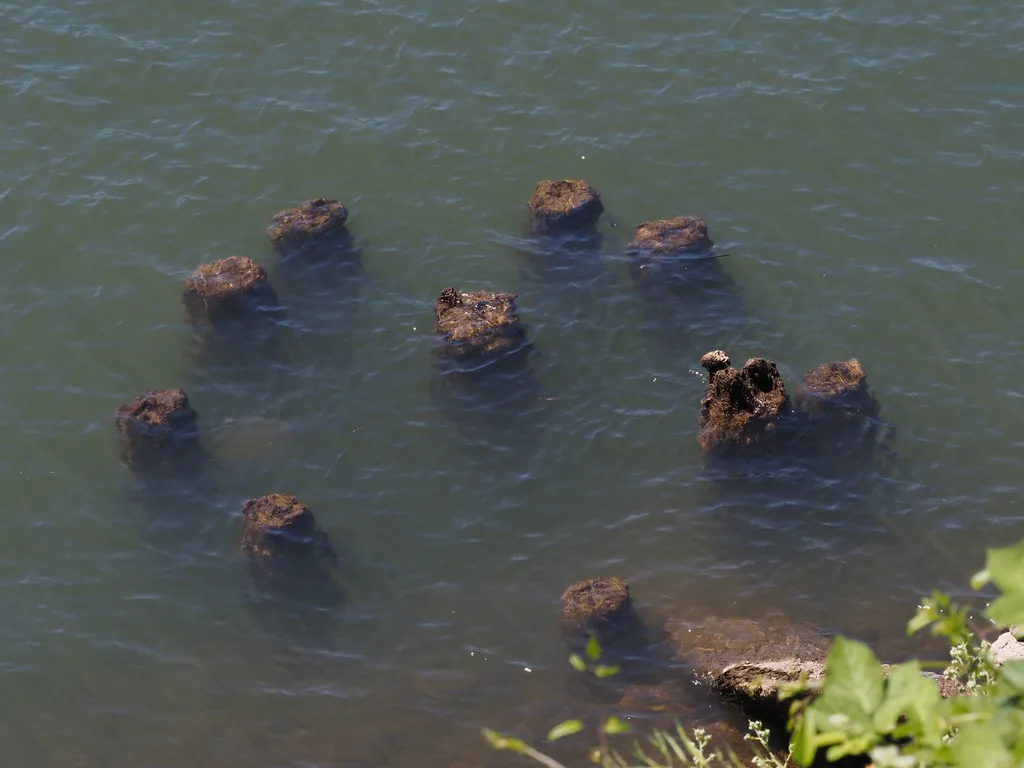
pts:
pixel 1007 610
pixel 1006 567
pixel 860 745
pixel 605 670
pixel 922 619
pixel 906 691
pixel 576 662
pixel 498 741
pixel 853 677
pixel 803 743
pixel 978 745
pixel 594 648
pixel 980 579
pixel 1013 675
pixel 568 728
pixel 614 725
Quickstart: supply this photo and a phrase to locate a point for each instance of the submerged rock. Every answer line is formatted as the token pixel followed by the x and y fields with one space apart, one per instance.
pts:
pixel 228 290
pixel 674 696
pixel 478 323
pixel 740 407
pixel 564 206
pixel 600 606
pixel 158 427
pixel 747 662
pixel 311 224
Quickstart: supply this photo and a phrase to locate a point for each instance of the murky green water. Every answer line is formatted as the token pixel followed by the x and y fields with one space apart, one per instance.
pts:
pixel 861 165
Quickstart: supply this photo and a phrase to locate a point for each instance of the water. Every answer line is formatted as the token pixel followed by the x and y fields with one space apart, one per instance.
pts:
pixel 861 166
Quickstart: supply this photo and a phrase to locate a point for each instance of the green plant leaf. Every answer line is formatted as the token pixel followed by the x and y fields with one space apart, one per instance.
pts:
pixel 1013 675
pixel 980 579
pixel 568 728
pixel 979 745
pixel 853 679
pixel 1006 567
pixel 576 662
pixel 1007 610
pixel 906 691
pixel 922 619
pixel 498 741
pixel 803 741
pixel 605 670
pixel 614 725
pixel 593 648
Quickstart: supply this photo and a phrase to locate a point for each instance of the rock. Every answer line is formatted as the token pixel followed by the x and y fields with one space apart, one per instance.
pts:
pixel 742 407
pixel 948 689
pixel 564 206
pixel 157 427
pixel 747 661
pixel 228 289
pixel 671 237
pixel 251 438
pixel 478 323
pixel 1006 648
pixel 312 224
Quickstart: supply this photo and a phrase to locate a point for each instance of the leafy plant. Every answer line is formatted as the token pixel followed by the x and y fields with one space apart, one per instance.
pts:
pixel 897 718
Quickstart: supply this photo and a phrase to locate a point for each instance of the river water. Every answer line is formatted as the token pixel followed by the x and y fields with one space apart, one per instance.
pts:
pixel 859 162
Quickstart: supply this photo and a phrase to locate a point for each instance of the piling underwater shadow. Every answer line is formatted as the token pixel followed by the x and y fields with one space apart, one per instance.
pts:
pixel 238 328
pixel 687 294
pixel 483 368
pixel 785 473
pixel 173 477
pixel 294 569
pixel 599 623
pixel 830 433
pixel 319 265
pixel 562 240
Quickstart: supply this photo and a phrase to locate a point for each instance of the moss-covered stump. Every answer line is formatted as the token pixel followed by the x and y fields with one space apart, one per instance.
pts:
pixel 564 206
pixel 676 253
pixel 671 237
pixel 715 361
pixel 228 290
pixel 157 427
pixel 310 226
pixel 600 606
pixel 478 324
pixel 839 414
pixel 741 408
pixel 279 525
pixel 837 390
pixel 292 564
